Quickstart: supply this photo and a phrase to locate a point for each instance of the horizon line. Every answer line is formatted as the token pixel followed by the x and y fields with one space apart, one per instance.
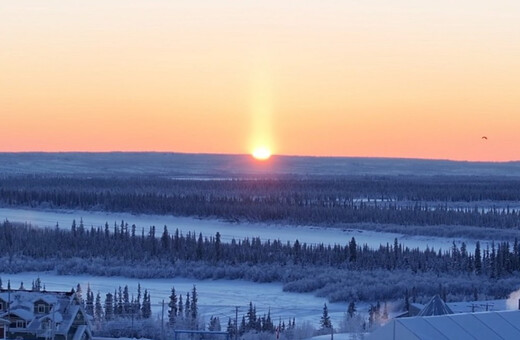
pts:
pixel 249 155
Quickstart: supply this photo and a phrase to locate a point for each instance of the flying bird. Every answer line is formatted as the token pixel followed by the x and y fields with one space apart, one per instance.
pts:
pixel 484 137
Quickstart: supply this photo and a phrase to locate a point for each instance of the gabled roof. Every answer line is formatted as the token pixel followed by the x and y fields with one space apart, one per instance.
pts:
pixel 68 320
pixel 21 313
pixel 464 326
pixel 436 306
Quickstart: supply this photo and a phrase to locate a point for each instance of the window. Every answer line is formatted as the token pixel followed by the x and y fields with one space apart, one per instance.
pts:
pixel 41 308
pixel 20 324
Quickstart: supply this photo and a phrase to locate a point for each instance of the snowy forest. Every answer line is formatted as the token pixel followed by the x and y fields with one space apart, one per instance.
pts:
pixel 344 272
pixel 408 201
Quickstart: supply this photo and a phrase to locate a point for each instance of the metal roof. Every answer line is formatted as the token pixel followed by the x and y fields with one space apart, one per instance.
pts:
pixel 501 325
pixel 436 306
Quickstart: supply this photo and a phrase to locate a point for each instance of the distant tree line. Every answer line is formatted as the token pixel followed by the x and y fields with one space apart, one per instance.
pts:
pixel 380 200
pixel 300 266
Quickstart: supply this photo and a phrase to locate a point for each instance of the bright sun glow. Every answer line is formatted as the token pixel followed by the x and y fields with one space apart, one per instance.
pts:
pixel 262 153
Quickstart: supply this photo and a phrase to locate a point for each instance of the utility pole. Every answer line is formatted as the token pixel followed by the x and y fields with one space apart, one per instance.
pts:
pixel 236 322
pixel 162 321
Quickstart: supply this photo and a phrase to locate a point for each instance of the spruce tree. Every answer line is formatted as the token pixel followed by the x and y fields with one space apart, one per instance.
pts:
pixel 325 322
pixel 194 302
pixel 351 309
pixel 126 301
pixel 180 311
pixel 89 306
pixel 478 259
pixel 109 307
pixel 98 309
pixel 172 308
pixel 138 300
pixel 146 309
pixel 187 307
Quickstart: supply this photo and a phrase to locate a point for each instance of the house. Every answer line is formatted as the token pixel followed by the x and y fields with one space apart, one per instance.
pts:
pixel 498 325
pixel 42 315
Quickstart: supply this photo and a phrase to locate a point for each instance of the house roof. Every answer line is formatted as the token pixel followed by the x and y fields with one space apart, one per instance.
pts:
pixel 436 306
pixel 21 313
pixel 79 332
pixel 464 326
pixel 64 308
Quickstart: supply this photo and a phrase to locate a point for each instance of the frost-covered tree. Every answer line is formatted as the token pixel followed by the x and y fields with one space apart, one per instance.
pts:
pixel 146 310
pixel 172 308
pixel 109 307
pixel 194 304
pixel 325 322
pixel 89 304
pixel 98 308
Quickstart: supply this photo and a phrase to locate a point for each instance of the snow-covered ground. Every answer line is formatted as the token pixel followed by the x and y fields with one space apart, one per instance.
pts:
pixel 216 297
pixel 228 230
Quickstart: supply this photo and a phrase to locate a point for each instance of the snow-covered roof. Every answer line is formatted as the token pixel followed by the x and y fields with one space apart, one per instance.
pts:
pixel 79 332
pixel 56 317
pixel 21 313
pixel 436 306
pixel 69 319
pixel 466 326
pixel 28 297
pixel 22 304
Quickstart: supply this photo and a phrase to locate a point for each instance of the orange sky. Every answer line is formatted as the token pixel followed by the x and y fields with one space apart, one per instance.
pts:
pixel 402 78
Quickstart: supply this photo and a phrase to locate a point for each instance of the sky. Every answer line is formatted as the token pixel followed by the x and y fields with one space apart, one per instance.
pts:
pixel 371 78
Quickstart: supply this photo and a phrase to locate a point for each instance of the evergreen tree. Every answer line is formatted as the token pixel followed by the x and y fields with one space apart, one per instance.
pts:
pixel 79 295
pixel 243 328
pixel 180 311
pixel 214 324
pixel 217 246
pixel 116 309
pixel 478 259
pixel 352 246
pixel 187 307
pixel 351 309
pixel 109 307
pixel 251 317
pixel 98 309
pixel 146 309
pixel 231 329
pixel 194 303
pixel 73 228
pixel 89 306
pixel 165 239
pixel 120 308
pixel 138 300
pixel 126 302
pixel 172 308
pixel 325 322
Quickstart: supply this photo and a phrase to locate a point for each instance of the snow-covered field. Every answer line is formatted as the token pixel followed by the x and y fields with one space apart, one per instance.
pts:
pixel 228 230
pixel 216 297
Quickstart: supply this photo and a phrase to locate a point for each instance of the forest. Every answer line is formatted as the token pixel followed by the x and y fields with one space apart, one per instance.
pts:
pixel 406 201
pixel 343 272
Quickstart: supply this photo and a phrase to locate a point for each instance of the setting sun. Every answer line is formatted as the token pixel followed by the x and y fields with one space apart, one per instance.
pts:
pixel 261 153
